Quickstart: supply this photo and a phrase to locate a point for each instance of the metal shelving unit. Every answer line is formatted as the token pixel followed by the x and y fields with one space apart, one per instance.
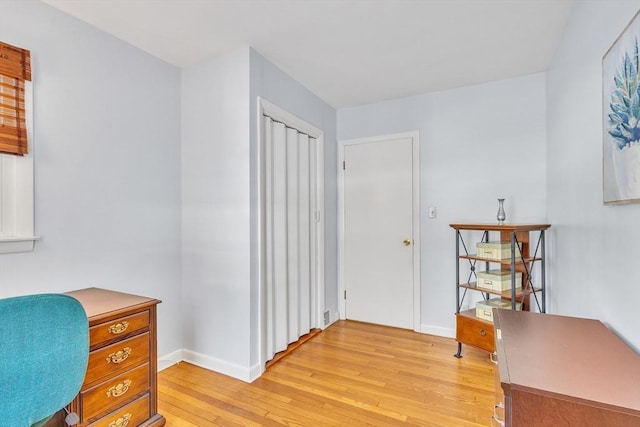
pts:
pixel 471 330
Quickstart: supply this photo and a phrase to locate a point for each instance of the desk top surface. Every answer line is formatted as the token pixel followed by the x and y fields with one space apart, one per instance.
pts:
pixel 97 302
pixel 575 358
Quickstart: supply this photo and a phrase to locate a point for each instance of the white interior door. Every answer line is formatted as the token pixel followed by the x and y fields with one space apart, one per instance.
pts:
pixel 379 232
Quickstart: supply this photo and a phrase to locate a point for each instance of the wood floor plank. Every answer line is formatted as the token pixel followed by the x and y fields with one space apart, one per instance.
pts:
pixel 351 374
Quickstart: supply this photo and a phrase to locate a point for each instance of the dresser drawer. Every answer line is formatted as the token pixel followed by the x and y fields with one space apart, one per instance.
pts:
pixel 116 358
pixel 116 328
pixel 130 415
pixel 473 331
pixel 114 392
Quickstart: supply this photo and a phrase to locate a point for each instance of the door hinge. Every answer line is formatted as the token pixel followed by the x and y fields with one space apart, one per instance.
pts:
pixel 344 165
pixel 345 294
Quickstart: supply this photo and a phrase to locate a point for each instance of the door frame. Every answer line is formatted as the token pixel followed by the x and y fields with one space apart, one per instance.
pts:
pixel 415 143
pixel 267 108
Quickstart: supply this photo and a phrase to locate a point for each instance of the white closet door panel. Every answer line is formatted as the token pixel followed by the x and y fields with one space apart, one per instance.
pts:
pixel 268 220
pixel 304 228
pixel 292 233
pixel 313 238
pixel 280 241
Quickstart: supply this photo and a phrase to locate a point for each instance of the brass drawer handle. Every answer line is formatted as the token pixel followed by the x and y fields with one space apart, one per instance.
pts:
pixel 121 422
pixel 120 389
pixel 483 333
pixel 496 420
pixel 118 328
pixel 119 356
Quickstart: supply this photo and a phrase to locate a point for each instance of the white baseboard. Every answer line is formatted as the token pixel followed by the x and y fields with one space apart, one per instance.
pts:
pixel 211 363
pixel 255 371
pixel 170 359
pixel 438 331
pixel 231 369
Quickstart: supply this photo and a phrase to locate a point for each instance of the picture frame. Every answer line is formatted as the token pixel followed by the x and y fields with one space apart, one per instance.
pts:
pixel 621 117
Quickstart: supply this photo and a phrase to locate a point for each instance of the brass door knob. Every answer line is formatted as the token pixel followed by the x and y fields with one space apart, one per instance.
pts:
pixel 406 242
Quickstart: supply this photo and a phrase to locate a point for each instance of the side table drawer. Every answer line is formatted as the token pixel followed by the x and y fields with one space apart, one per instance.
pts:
pixel 116 358
pixel 116 328
pixel 475 332
pixel 130 415
pixel 114 392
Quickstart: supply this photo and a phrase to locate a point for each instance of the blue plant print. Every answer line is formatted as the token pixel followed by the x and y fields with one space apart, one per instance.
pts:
pixel 624 116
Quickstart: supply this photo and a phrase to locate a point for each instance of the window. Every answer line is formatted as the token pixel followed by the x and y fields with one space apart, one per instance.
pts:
pixel 15 72
pixel 16 150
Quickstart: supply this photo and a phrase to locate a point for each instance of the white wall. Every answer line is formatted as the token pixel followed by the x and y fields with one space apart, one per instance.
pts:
pixel 478 143
pixel 595 248
pixel 272 84
pixel 107 178
pixel 216 259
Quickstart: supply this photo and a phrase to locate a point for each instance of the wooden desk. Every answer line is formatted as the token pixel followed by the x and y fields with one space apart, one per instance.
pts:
pixel 565 371
pixel 120 386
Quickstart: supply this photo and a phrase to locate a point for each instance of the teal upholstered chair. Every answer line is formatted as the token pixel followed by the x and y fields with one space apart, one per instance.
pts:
pixel 44 347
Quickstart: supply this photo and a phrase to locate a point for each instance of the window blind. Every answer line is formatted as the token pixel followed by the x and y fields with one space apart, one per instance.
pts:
pixel 15 69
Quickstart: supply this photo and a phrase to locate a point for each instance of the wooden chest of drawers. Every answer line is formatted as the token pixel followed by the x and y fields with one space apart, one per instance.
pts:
pixel 119 388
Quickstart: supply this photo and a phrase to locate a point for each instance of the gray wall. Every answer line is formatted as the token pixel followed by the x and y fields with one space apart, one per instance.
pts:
pixel 477 143
pixel 107 174
pixel 216 259
pixel 595 249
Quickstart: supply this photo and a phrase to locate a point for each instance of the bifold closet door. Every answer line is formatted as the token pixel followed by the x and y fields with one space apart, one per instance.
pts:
pixel 290 191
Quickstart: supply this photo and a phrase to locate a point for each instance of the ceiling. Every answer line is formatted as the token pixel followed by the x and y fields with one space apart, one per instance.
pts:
pixel 347 52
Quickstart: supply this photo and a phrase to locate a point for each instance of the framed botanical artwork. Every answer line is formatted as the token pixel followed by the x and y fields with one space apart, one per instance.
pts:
pixel 621 117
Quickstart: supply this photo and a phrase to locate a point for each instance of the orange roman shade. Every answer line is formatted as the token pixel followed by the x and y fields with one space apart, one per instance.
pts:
pixel 15 69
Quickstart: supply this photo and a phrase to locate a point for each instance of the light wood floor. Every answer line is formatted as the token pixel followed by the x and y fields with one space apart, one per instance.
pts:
pixel 351 374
